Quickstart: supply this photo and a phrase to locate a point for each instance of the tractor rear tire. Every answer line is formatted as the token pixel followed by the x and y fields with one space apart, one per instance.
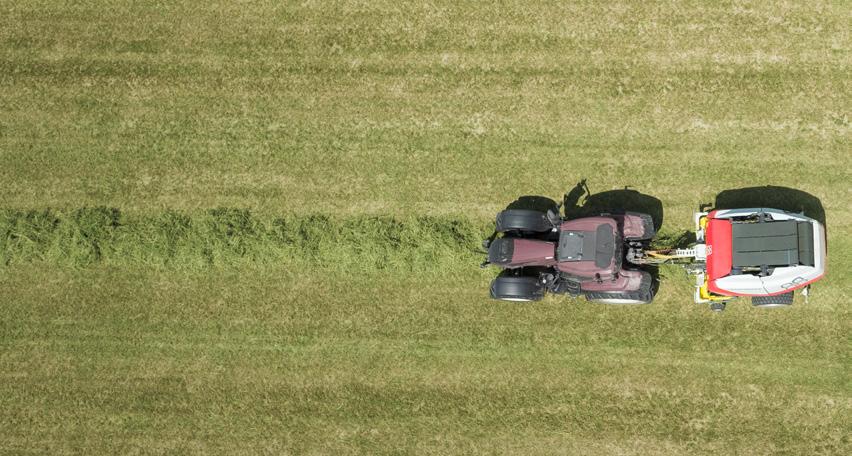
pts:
pixel 643 295
pixel 782 300
pixel 517 288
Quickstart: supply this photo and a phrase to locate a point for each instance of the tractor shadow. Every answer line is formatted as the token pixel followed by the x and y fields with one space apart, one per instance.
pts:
pixel 784 198
pixel 581 202
pixel 535 203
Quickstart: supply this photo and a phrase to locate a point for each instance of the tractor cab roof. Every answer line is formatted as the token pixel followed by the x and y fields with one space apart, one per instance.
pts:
pixel 589 247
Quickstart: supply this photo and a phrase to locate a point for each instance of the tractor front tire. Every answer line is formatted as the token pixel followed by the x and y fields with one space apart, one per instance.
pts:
pixel 517 288
pixel 523 221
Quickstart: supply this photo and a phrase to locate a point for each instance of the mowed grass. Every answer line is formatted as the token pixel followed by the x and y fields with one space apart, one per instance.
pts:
pixel 441 107
pixel 231 238
pixel 135 317
pixel 276 360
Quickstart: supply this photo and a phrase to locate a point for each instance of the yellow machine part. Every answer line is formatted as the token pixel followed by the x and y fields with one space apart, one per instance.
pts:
pixel 704 293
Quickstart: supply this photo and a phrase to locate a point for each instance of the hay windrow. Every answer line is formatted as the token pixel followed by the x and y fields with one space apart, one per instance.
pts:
pixel 226 237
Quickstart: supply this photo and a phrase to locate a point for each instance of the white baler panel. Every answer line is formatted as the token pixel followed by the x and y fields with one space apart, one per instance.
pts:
pixel 783 279
pixel 741 284
pixel 775 213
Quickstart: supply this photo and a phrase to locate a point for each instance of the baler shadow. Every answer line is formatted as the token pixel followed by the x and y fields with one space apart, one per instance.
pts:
pixel 784 198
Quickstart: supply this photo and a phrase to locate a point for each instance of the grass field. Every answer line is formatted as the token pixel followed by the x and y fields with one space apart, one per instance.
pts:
pixel 251 227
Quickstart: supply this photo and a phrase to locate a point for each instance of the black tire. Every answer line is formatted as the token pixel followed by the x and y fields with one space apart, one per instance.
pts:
pixel 782 300
pixel 717 306
pixel 517 288
pixel 643 295
pixel 523 220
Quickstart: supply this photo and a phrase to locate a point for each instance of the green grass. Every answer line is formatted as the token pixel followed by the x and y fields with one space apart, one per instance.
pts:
pixel 230 238
pixel 356 152
pixel 257 360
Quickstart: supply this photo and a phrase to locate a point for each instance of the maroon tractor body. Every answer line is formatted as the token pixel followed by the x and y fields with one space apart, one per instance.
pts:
pixel 542 252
